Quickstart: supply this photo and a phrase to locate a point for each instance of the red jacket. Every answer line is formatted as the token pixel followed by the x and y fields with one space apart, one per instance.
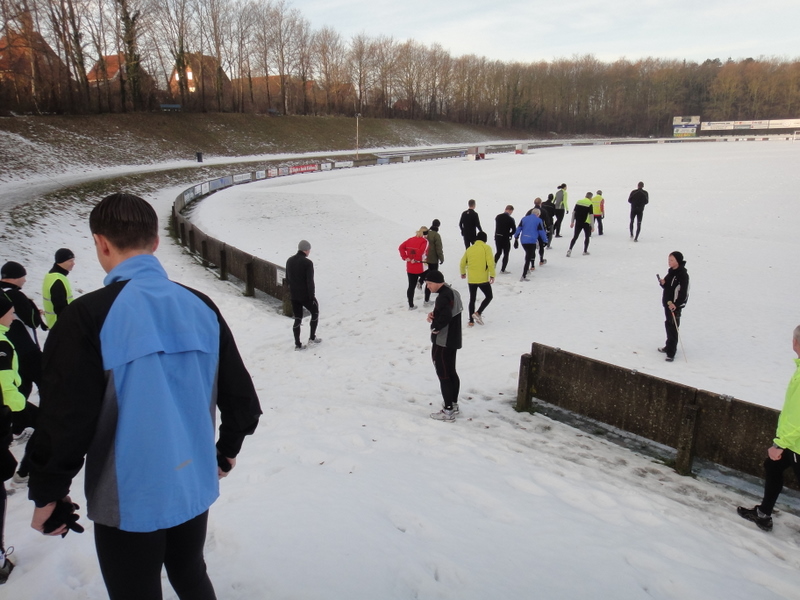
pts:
pixel 413 251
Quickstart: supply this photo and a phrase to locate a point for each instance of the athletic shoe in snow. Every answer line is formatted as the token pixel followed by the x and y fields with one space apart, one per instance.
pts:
pixel 412 308
pixel 300 347
pixel 478 318
pixel 470 324
pixel 569 253
pixel 756 516
pixel 523 278
pixel 669 358
pixel 585 253
pixel 316 340
pixel 663 350
pixel 444 415
pixel 7 566
pixel 19 478
pixel 542 262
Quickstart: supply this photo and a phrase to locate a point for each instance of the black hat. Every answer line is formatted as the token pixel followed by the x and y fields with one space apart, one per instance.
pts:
pixel 679 257
pixel 12 270
pixel 5 305
pixel 434 276
pixel 435 223
pixel 63 255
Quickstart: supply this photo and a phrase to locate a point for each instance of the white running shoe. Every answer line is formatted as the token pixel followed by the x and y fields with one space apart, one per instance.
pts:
pixel 316 340
pixel 444 415
pixel 477 318
pixel 569 253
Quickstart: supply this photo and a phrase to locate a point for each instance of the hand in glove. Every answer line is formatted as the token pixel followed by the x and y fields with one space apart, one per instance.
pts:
pixel 516 244
pixel 63 515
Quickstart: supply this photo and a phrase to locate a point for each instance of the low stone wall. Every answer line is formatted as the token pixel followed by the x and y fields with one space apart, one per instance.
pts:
pixel 697 423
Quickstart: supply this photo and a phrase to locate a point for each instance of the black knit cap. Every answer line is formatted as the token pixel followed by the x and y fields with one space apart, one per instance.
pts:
pixel 12 270
pixel 434 276
pixel 679 257
pixel 63 255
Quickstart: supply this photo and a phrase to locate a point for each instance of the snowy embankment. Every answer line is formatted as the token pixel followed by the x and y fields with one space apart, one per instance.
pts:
pixel 349 490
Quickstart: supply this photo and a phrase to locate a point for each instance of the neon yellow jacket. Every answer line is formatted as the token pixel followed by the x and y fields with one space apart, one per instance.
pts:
pixel 9 373
pixel 50 316
pixel 478 263
pixel 598 205
pixel 788 434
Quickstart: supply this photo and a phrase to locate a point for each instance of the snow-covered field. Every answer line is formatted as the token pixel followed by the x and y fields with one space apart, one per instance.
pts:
pixel 349 490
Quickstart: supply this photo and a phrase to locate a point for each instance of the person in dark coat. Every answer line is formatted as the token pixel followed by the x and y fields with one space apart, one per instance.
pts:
pixel 22 333
pixel 504 229
pixel 469 224
pixel 638 200
pixel 676 292
pixel 445 320
pixel 300 275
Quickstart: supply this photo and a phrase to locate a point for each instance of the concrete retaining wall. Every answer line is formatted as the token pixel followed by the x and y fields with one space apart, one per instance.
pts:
pixel 697 423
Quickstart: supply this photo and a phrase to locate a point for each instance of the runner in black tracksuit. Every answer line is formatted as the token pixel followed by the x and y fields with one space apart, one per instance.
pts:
pixel 505 226
pixel 638 200
pixel 300 275
pixel 469 224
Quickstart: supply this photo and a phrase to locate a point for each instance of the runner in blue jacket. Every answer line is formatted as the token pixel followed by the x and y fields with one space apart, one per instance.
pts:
pixel 529 232
pixel 133 377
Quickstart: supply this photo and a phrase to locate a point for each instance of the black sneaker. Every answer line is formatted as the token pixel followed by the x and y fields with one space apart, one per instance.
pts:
pixel 669 358
pixel 756 516
pixel 663 350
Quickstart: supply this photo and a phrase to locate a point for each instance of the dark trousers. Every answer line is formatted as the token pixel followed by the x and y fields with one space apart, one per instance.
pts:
pixel 503 245
pixel 444 361
pixel 486 288
pixel 423 278
pixel 587 233
pixel 7 465
pixel 469 239
pixel 131 562
pixel 636 214
pixel 22 419
pixel 773 478
pixel 598 221
pixel 530 258
pixel 542 246
pixel 560 212
pixel 297 308
pixel 671 345
pixel 413 278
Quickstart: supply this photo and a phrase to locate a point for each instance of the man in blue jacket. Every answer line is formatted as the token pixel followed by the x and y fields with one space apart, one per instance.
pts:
pixel 531 230
pixel 133 375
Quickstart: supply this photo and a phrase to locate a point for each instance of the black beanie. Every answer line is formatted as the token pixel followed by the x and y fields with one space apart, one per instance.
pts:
pixel 435 223
pixel 63 255
pixel 679 257
pixel 12 270
pixel 434 276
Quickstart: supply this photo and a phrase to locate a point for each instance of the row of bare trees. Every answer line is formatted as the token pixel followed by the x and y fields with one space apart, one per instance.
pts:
pixel 263 55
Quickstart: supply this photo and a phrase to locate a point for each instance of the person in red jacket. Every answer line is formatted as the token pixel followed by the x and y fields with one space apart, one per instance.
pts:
pixel 413 251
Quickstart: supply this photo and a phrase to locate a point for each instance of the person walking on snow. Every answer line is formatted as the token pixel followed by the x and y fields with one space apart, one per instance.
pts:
pixel 638 199
pixel 11 401
pixel 435 255
pixel 302 292
pixel 413 251
pixel 56 289
pixel 445 320
pixel 582 221
pixel 469 224
pixel 562 207
pixel 503 232
pixel 784 452
pixel 529 232
pixel 133 377
pixel 676 292
pixel 598 211
pixel 477 267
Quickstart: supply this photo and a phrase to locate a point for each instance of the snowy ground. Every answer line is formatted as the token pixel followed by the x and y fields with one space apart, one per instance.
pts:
pixel 349 490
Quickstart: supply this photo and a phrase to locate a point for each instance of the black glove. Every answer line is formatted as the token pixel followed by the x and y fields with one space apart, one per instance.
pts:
pixel 63 514
pixel 223 463
pixel 516 244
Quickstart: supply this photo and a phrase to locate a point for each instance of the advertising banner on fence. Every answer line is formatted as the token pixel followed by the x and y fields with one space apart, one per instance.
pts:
pixel 784 124
pixel 242 177
pixel 272 172
pixel 261 174
pixel 325 166
pixel 344 164
pixel 283 170
pixel 686 121
pixel 302 169
pixel 716 125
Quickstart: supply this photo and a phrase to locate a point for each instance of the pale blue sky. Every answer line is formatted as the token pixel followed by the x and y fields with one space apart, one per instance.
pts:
pixel 533 30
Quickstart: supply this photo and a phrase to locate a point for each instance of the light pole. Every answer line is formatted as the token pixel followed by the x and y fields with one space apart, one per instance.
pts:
pixel 357 117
